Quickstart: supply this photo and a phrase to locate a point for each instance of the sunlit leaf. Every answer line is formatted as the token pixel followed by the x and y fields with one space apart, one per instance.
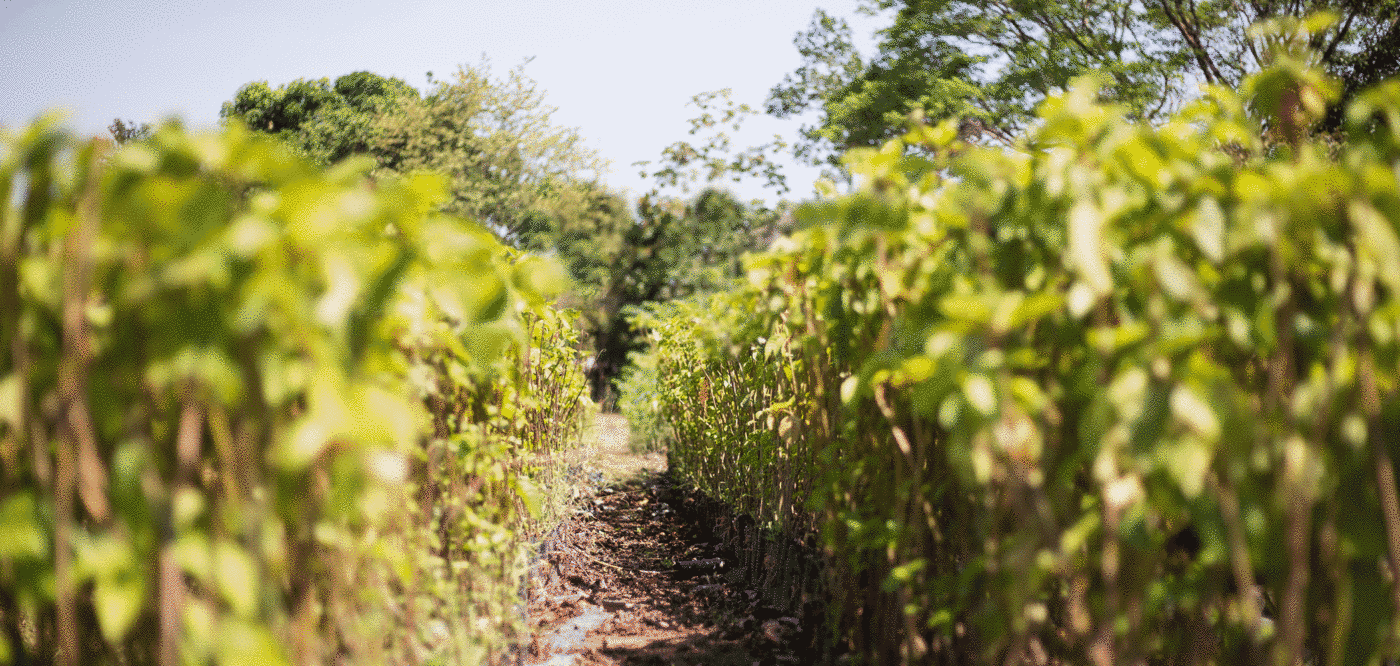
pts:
pixel 236 576
pixel 20 532
pixel 118 602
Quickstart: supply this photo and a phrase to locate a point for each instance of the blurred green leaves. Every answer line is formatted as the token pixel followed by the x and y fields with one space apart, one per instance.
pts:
pixel 258 360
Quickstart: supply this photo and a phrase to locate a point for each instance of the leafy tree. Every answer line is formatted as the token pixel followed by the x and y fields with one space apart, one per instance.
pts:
pixel 128 131
pixel 688 249
pixel 993 62
pixel 710 158
pixel 324 121
pixel 535 184
pixel 675 248
pixel 590 242
pixel 510 167
pixel 366 91
pixel 669 249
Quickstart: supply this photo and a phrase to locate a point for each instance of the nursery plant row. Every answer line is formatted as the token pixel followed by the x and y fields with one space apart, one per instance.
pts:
pixel 1119 393
pixel 255 411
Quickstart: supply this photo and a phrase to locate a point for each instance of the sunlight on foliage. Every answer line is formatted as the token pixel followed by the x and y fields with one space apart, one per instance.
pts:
pixel 1122 393
pixel 255 411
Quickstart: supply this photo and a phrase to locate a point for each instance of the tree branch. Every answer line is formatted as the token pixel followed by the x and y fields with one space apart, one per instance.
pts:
pixel 1192 38
pixel 1341 35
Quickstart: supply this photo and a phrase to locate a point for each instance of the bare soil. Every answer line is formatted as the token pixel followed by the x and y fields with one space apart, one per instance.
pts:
pixel 638 574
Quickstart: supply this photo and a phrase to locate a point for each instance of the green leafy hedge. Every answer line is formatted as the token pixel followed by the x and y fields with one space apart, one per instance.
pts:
pixel 252 411
pixel 1122 394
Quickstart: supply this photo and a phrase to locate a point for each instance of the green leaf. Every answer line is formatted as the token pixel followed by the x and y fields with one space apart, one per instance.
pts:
pixel 966 308
pixel 192 553
pixel 980 394
pixel 1085 247
pixel 903 574
pixel 1034 307
pixel 848 389
pixel 118 601
pixel 242 643
pixel 11 401
pixel 917 368
pixel 1189 408
pixel 528 493
pixel 1143 161
pixel 1207 226
pixel 20 532
pixel 1175 277
pixel 1188 461
pixel 236 575
pixel 539 278
pixel 1379 242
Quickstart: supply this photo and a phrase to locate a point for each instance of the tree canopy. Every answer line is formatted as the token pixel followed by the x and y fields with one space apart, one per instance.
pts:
pixel 324 121
pixel 511 168
pixel 126 131
pixel 672 248
pixel 992 62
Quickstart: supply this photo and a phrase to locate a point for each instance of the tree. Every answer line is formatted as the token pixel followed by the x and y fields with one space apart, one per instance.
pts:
pixel 666 248
pixel 676 247
pixel 710 158
pixel 323 121
pixel 128 131
pixel 673 249
pixel 511 168
pixel 992 62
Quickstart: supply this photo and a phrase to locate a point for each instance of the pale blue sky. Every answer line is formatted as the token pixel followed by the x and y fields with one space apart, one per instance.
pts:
pixel 621 71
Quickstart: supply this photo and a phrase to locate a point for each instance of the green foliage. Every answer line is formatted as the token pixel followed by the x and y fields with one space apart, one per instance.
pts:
pixel 322 121
pixel 526 180
pixel 673 249
pixel 507 165
pixel 252 411
pixel 684 163
pixel 129 130
pixel 993 63
pixel 640 396
pixel 640 402
pixel 1122 393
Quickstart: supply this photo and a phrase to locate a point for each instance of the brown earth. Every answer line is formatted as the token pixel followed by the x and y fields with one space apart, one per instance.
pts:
pixel 642 579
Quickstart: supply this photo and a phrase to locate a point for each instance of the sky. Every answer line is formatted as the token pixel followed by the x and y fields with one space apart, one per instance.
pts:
pixel 620 71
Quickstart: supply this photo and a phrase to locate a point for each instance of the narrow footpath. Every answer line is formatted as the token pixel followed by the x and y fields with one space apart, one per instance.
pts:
pixel 638 577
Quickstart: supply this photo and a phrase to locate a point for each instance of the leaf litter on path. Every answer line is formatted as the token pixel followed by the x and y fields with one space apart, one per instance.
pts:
pixel 630 582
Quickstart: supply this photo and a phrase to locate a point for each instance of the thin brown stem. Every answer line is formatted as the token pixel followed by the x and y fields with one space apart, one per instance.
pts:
pixel 1293 621
pixel 1385 470
pixel 171 581
pixel 1240 565
pixel 79 472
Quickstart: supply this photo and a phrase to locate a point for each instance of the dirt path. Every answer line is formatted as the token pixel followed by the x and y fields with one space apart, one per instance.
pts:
pixel 636 579
pixel 606 450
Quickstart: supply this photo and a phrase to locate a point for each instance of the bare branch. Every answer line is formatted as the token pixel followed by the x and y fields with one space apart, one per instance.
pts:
pixel 1192 38
pixel 1342 33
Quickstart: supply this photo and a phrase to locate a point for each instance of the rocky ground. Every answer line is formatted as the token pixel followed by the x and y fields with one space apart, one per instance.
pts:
pixel 637 577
